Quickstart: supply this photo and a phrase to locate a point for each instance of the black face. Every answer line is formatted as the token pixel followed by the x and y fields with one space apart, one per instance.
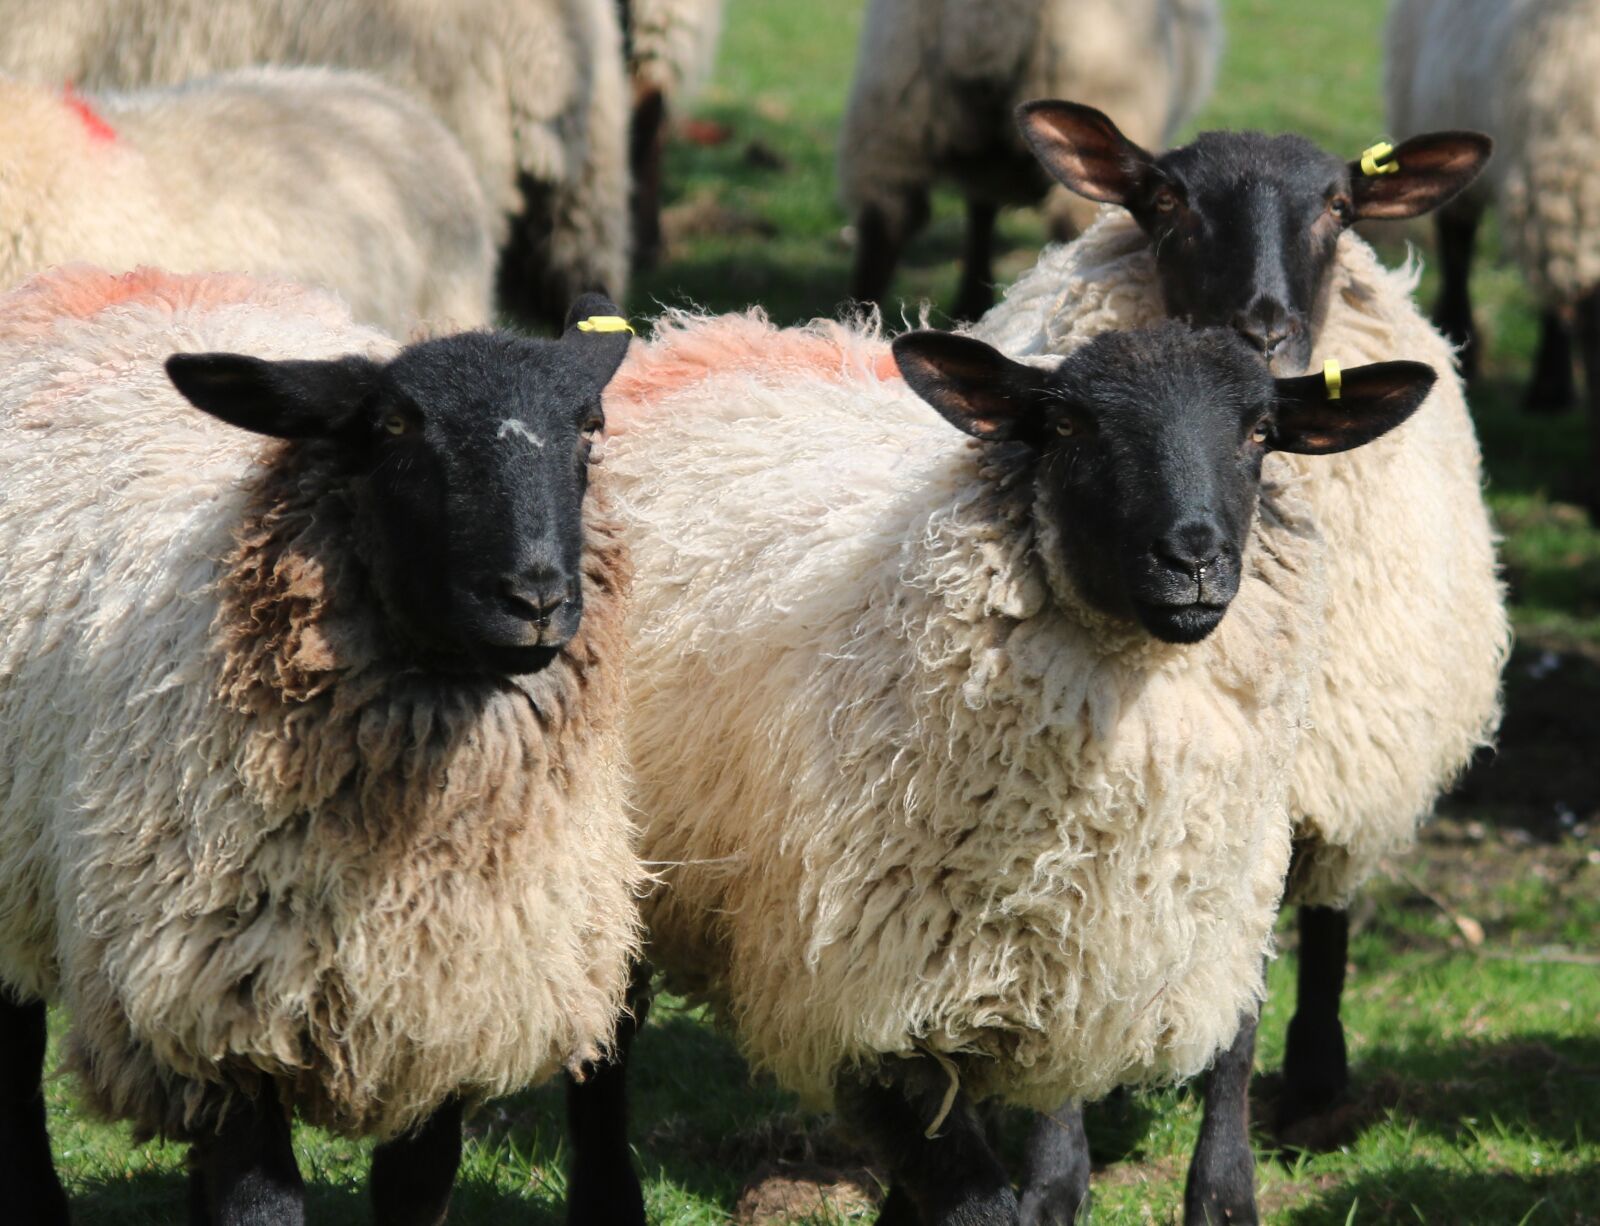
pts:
pixel 1244 226
pixel 468 459
pixel 1147 449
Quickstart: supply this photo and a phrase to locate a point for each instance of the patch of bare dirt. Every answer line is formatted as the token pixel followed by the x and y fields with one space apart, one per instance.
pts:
pixel 789 1193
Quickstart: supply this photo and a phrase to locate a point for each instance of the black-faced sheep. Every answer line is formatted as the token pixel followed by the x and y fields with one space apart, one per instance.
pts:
pixel 935 85
pixel 312 795
pixel 1526 73
pixel 1252 231
pixel 533 89
pixel 985 788
pixel 329 178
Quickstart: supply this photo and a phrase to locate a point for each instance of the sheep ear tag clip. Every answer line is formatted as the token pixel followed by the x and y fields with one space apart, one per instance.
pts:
pixel 604 323
pixel 1372 159
pixel 1333 378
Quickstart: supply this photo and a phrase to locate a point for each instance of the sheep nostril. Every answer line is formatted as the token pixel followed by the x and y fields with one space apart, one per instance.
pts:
pixel 535 600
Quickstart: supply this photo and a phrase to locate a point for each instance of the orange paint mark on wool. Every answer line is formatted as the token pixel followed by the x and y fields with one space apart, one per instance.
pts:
pixel 97 127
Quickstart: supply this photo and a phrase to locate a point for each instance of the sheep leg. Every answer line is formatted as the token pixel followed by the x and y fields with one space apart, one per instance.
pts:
pixel 1056 1190
pixel 603 1188
pixel 976 294
pixel 412 1176
pixel 646 147
pixel 1222 1173
pixel 952 1178
pixel 880 239
pixel 248 1170
pixel 1457 230
pixel 32 1189
pixel 1552 388
pixel 1316 1068
pixel 1588 335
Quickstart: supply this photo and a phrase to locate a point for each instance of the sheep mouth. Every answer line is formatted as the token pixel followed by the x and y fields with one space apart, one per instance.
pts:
pixel 1180 624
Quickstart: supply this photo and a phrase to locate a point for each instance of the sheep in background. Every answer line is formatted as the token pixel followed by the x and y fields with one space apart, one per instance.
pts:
pixel 318 176
pixel 1525 71
pixel 312 794
pixel 670 46
pixel 935 86
pixel 1418 634
pixel 533 89
pixel 982 787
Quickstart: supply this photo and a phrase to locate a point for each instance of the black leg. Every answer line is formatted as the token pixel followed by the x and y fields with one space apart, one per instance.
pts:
pixel 897 1210
pixel 603 1188
pixel 976 294
pixel 1056 1191
pixel 32 1193
pixel 1222 1174
pixel 248 1168
pixel 412 1176
pixel 1316 1069
pixel 953 1178
pixel 1552 389
pixel 646 147
pixel 877 253
pixel 1587 321
pixel 1457 230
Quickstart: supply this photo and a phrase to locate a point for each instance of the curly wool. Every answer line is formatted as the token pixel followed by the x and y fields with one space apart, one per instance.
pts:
pixel 922 798
pixel 1417 628
pixel 277 171
pixel 1523 71
pixel 244 841
pixel 937 80
pixel 671 43
pixel 533 90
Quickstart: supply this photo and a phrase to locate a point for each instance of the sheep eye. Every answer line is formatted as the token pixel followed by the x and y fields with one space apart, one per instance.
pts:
pixel 1165 201
pixel 1340 207
pixel 1262 432
pixel 1066 427
pixel 396 423
pixel 592 428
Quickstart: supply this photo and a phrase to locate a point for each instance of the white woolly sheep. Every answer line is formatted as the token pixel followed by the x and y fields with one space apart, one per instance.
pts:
pixel 1525 72
pixel 533 89
pixel 311 777
pixel 1418 633
pixel 318 176
pixel 670 46
pixel 936 82
pixel 970 776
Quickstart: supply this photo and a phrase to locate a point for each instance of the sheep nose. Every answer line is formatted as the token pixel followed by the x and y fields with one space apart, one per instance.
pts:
pixel 536 594
pixel 1266 325
pixel 1192 548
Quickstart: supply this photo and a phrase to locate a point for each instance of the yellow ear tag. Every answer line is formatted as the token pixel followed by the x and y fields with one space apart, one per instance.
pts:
pixel 1333 378
pixel 1372 162
pixel 604 323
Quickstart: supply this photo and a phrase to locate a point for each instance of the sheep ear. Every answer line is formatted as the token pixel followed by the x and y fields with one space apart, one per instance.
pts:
pixel 976 389
pixel 1084 151
pixel 283 399
pixel 1371 401
pixel 1431 170
pixel 597 335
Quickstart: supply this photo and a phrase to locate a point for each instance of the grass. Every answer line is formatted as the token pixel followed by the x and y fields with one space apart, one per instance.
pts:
pixel 1477 1067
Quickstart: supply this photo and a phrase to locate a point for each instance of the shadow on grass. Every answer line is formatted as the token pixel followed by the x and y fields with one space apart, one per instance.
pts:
pixel 1424 1192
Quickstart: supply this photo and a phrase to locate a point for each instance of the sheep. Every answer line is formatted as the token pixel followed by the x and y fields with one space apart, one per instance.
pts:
pixel 533 89
pixel 670 46
pixel 311 778
pixel 319 176
pixel 976 791
pixel 1417 626
pixel 1524 71
pixel 934 87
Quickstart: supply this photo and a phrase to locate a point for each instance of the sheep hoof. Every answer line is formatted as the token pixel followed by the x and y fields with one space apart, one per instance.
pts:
pixel 1055 1204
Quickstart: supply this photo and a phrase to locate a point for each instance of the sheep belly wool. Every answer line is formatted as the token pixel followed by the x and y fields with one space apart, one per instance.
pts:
pixel 906 791
pixel 239 842
pixel 672 43
pixel 1417 631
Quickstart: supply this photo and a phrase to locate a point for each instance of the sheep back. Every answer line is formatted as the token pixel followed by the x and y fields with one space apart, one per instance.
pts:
pixel 243 842
pixel 533 90
pixel 325 177
pixel 904 798
pixel 1417 628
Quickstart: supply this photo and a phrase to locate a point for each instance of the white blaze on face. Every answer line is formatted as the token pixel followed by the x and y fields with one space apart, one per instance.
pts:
pixel 512 426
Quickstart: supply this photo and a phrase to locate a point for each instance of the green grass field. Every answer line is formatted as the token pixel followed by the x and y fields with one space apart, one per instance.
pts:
pixel 1476 1061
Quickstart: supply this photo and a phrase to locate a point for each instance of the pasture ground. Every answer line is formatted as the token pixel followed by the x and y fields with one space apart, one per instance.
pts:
pixel 1473 1007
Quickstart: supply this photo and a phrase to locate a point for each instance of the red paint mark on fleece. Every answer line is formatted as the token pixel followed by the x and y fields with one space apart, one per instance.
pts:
pixel 97 127
pixel 684 353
